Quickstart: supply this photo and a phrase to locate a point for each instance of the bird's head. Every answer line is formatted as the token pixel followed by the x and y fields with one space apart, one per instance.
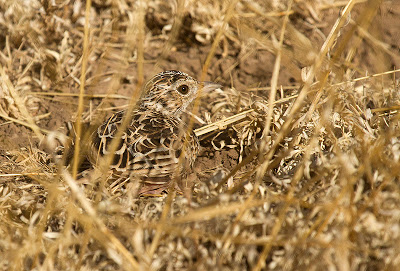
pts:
pixel 171 92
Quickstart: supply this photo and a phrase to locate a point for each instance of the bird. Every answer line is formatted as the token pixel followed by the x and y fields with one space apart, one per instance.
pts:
pixel 151 145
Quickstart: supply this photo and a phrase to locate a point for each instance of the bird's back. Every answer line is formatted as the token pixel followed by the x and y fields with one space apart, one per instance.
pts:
pixel 149 148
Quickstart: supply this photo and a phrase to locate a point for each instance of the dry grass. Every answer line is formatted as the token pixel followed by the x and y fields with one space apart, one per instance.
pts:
pixel 292 177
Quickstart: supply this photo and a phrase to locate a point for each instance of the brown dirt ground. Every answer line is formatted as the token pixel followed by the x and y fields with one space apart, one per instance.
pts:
pixel 238 67
pixel 252 71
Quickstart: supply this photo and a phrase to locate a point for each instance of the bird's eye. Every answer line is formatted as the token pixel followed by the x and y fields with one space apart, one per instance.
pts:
pixel 183 89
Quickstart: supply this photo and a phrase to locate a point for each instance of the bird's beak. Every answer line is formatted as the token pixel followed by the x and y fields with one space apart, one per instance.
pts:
pixel 209 86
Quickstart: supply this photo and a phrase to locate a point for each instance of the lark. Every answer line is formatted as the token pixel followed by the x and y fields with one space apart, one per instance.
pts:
pixel 152 143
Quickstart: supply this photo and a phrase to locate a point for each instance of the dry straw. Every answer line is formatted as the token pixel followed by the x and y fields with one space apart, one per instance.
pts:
pixel 297 177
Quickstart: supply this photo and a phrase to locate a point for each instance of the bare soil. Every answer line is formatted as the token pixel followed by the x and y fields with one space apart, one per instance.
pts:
pixel 241 63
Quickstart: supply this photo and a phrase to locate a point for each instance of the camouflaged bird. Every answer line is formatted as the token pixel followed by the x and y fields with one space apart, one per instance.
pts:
pixel 151 144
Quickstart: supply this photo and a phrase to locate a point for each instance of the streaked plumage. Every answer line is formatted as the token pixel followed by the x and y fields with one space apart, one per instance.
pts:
pixel 151 144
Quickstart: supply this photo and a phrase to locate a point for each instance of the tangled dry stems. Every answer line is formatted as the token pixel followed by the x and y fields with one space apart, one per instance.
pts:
pixel 328 197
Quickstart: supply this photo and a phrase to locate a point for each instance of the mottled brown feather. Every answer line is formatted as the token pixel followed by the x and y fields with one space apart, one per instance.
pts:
pixel 150 146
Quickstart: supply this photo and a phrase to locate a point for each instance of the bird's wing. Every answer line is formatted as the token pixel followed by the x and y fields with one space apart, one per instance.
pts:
pixel 149 148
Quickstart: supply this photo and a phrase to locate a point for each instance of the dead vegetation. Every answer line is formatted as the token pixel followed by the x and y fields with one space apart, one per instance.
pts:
pixel 300 165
